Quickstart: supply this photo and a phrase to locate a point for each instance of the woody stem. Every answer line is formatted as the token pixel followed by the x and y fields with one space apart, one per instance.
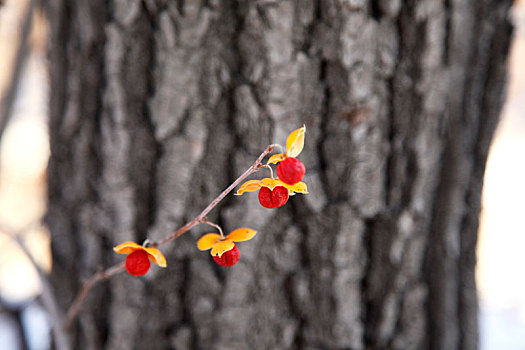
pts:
pixel 199 219
pixel 202 216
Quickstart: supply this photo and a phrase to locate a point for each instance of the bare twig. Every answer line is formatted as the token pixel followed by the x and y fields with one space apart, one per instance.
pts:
pixel 48 298
pixel 199 219
pixel 86 287
pixel 22 52
pixel 202 216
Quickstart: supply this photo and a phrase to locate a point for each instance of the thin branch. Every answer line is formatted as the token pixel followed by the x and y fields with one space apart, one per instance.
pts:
pixel 48 298
pixel 199 219
pixel 86 287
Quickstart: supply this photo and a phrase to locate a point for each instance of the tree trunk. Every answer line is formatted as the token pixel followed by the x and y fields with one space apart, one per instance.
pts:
pixel 157 106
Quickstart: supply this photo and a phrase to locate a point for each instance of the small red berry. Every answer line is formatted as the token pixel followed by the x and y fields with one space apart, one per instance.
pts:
pixel 291 170
pixel 137 263
pixel 273 198
pixel 265 197
pixel 228 258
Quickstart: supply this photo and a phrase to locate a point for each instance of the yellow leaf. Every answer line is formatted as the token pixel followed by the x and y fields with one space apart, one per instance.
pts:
pixel 270 183
pixel 276 158
pixel 295 142
pixel 248 186
pixel 221 247
pixel 299 187
pixel 207 241
pixel 127 248
pixel 241 234
pixel 156 256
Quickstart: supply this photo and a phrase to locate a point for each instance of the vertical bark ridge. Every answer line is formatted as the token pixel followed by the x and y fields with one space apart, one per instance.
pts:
pixel 62 239
pixel 396 285
pixel 453 301
pixel 499 34
pixel 77 77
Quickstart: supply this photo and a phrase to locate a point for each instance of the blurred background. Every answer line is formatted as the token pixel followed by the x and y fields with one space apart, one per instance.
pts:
pixel 24 151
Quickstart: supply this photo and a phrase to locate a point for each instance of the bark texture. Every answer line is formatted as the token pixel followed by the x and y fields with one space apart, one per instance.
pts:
pixel 156 106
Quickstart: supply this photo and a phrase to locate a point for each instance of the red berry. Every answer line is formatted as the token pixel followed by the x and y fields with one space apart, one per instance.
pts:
pixel 137 263
pixel 291 170
pixel 228 258
pixel 280 196
pixel 265 197
pixel 273 199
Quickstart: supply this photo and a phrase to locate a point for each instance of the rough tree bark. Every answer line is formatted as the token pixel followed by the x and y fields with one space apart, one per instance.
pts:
pixel 156 106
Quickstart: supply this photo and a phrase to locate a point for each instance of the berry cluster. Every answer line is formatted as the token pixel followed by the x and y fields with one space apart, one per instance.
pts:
pixel 223 249
pixel 139 257
pixel 273 193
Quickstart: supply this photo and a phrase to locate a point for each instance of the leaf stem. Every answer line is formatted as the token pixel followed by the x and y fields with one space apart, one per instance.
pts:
pixel 214 225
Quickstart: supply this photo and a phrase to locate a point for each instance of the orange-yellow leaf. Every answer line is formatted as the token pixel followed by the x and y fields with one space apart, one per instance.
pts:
pixel 127 248
pixel 295 142
pixel 270 183
pixel 241 234
pixel 156 256
pixel 221 247
pixel 299 187
pixel 248 186
pixel 276 158
pixel 207 241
